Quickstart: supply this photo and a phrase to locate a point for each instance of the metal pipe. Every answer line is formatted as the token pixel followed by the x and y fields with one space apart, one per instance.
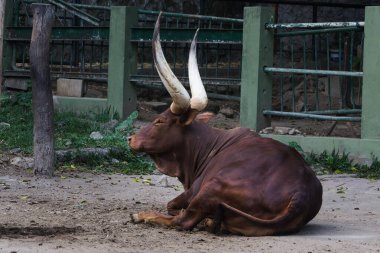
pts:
pixel 313 72
pixel 314 25
pixel 309 116
pixel 338 111
pixel 173 14
pixel 313 32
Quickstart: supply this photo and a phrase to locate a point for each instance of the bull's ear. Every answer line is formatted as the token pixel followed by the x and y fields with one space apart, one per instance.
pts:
pixel 188 117
pixel 205 116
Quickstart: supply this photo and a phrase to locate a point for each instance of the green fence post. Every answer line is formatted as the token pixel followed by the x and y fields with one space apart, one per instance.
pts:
pixel 122 60
pixel 371 75
pixel 7 49
pixel 256 85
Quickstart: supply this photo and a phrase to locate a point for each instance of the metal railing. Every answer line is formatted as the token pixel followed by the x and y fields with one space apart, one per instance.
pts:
pixel 319 70
pixel 219 50
pixel 79 46
pixel 79 43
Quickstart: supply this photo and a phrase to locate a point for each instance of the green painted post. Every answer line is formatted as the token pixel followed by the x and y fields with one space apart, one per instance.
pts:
pixel 256 85
pixel 7 53
pixel 371 75
pixel 122 60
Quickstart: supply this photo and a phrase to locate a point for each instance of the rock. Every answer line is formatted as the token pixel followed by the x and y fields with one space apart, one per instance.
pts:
pixel 4 125
pixel 228 112
pixel 158 107
pixel 282 130
pixel 110 125
pixel 163 181
pixel 96 136
pixel 15 151
pixel 114 161
pixel 267 130
pixel 22 162
pixel 18 84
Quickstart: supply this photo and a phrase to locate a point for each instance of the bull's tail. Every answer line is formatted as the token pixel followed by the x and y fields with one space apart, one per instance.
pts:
pixel 295 210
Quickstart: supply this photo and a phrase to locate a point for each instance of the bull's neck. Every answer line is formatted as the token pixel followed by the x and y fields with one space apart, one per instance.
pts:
pixel 199 142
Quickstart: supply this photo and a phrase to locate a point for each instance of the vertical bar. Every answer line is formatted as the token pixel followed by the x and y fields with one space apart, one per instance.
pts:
pixel 62 55
pixel 316 67
pixel 206 60
pixel 217 61
pixel 351 85
pixel 328 68
pixel 340 41
pixel 281 76
pixel 292 76
pixel 92 55
pixel 122 60
pixel 7 50
pixel 371 75
pixel 101 56
pixel 304 76
pixel 256 85
pixel 229 61
pixel 2 11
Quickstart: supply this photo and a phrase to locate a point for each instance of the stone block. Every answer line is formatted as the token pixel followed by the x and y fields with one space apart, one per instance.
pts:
pixel 70 87
pixel 15 83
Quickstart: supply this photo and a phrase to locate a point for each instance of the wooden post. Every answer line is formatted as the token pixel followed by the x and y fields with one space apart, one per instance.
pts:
pixel 2 11
pixel 371 75
pixel 122 61
pixel 42 96
pixel 256 85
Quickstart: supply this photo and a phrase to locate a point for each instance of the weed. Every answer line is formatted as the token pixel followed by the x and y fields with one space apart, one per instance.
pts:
pixel 72 131
pixel 338 163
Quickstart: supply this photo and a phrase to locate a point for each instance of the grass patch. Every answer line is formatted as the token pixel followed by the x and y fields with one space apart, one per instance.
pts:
pixel 72 131
pixel 339 163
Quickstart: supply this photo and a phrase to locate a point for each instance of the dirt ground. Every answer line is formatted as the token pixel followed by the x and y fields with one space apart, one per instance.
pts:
pixel 82 212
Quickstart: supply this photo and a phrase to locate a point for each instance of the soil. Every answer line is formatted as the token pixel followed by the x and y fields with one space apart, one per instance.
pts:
pixel 84 212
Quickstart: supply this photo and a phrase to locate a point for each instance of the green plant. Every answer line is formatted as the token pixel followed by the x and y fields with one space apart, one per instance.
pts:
pixel 338 163
pixel 72 131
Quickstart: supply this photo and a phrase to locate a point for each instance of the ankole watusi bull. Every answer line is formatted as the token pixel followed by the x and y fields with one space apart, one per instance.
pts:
pixel 234 180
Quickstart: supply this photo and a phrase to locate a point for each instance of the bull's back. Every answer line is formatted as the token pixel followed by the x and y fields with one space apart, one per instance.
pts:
pixel 260 176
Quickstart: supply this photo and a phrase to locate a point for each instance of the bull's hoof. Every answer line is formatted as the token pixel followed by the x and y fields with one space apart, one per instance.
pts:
pixel 135 218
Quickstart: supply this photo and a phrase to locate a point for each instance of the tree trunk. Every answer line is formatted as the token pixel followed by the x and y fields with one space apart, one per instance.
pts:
pixel 43 149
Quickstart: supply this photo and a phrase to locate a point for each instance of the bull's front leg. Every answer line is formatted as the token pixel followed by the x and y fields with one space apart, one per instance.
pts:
pixel 179 203
pixel 186 219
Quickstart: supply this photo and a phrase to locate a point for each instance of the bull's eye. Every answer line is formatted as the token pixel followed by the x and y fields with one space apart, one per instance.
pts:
pixel 158 122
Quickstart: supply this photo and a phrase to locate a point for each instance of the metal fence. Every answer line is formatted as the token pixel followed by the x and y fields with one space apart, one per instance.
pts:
pixel 79 42
pixel 80 48
pixel 319 71
pixel 219 50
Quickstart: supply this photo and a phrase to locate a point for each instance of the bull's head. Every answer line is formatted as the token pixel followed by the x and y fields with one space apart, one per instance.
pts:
pixel 166 131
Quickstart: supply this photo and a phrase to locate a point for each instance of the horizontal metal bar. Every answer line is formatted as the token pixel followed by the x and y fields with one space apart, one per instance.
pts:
pixel 309 116
pixel 84 6
pixel 186 35
pixel 207 81
pixel 209 95
pixel 75 11
pixel 59 33
pixel 103 77
pixel 314 25
pixel 334 112
pixel 183 15
pixel 319 31
pixel 313 72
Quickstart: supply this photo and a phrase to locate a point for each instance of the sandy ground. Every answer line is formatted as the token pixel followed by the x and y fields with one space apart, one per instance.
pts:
pixel 82 212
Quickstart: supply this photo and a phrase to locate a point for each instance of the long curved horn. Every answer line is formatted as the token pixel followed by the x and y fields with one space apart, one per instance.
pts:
pixel 198 93
pixel 181 98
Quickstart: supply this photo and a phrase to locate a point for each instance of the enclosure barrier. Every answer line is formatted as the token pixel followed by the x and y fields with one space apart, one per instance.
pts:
pixel 81 41
pixel 260 79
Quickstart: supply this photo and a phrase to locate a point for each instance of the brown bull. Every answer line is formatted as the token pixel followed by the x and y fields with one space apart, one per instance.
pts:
pixel 234 180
